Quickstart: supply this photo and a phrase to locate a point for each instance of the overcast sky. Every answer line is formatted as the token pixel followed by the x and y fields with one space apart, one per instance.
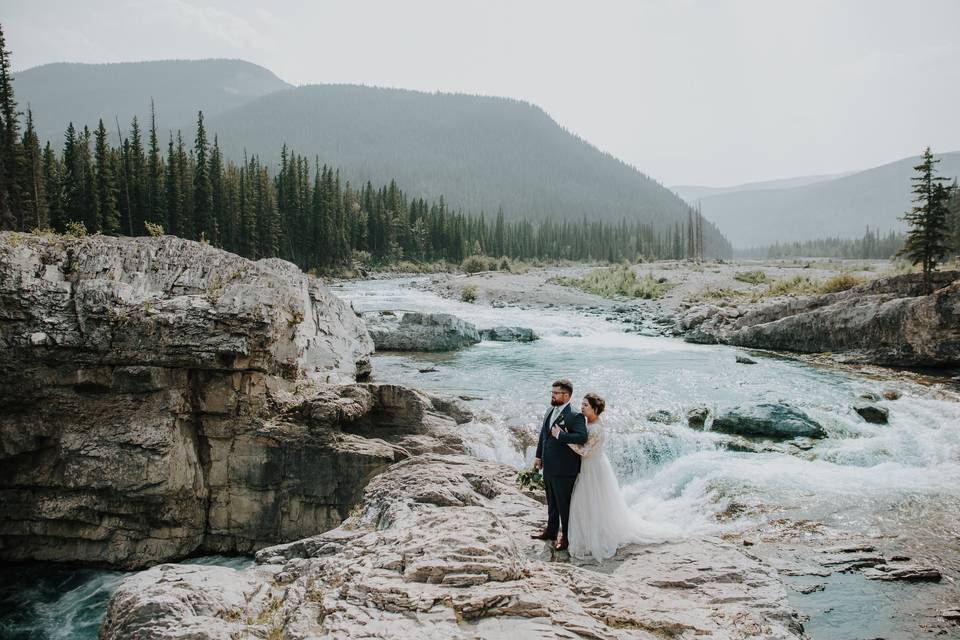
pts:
pixel 691 92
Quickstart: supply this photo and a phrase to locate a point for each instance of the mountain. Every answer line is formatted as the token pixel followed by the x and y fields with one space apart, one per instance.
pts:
pixel 840 207
pixel 83 93
pixel 481 153
pixel 692 193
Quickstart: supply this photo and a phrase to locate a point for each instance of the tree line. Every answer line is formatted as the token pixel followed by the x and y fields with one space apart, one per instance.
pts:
pixel 872 245
pixel 305 212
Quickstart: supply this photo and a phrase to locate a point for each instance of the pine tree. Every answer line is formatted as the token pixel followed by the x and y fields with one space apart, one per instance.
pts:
pixel 156 196
pixel 926 242
pixel 135 176
pixel 218 211
pixel 953 206
pixel 53 186
pixel 205 223
pixel 173 196
pixel 33 188
pixel 106 185
pixel 11 160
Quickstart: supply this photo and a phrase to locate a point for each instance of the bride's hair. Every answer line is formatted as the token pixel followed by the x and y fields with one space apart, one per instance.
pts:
pixel 596 402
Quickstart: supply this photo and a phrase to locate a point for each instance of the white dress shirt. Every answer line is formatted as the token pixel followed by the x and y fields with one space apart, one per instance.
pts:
pixel 557 411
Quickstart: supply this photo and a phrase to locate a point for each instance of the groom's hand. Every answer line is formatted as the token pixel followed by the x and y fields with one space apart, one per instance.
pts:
pixel 537 464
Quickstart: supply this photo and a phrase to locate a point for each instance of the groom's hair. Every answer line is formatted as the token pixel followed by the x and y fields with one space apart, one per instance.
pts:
pixel 564 384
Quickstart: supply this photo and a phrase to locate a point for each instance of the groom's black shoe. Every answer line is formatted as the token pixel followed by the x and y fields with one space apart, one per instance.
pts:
pixel 543 535
pixel 562 543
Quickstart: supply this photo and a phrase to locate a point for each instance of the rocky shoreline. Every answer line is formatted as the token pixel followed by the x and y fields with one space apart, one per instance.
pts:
pixel 440 549
pixel 885 320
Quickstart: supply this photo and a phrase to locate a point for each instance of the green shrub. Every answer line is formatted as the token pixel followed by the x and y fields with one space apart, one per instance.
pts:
pixel 794 285
pixel 153 230
pixel 475 264
pixel 469 294
pixel 751 277
pixel 76 230
pixel 840 282
pixel 619 281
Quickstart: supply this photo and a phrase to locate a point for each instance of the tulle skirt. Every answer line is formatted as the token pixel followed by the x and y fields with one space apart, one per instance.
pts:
pixel 600 520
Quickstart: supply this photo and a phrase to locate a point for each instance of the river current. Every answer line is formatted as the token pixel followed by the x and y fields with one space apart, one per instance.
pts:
pixel 898 482
pixel 895 485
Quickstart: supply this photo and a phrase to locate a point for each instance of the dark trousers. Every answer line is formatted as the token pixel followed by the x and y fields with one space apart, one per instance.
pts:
pixel 559 490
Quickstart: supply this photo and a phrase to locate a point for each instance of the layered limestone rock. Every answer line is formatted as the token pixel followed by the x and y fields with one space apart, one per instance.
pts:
pixel 887 322
pixel 440 549
pixel 160 397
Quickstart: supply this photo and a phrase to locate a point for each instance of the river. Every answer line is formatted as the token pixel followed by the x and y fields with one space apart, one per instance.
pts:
pixel 896 484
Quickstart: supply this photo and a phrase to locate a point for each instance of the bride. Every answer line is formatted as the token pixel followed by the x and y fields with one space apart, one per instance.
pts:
pixel 600 520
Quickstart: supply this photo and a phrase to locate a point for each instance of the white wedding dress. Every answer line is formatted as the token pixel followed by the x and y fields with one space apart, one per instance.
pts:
pixel 600 520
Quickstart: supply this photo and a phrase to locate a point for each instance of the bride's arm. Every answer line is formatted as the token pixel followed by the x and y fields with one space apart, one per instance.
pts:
pixel 590 447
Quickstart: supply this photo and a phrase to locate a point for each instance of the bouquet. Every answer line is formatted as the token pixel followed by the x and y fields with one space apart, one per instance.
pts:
pixel 530 479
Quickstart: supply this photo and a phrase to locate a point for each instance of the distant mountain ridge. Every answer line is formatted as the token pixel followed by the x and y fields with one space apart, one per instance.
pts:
pixel 834 207
pixel 65 92
pixel 481 153
pixel 692 193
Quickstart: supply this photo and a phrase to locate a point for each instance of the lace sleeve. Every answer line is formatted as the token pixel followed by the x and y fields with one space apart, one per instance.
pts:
pixel 591 446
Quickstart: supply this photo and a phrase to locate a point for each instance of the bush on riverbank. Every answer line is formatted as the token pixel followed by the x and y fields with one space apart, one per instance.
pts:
pixel 619 281
pixel 478 263
pixel 751 277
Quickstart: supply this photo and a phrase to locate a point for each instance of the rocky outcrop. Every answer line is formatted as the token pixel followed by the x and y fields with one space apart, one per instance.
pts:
pixel 887 322
pixel 160 397
pixel 440 549
pixel 420 331
pixel 509 334
pixel 774 421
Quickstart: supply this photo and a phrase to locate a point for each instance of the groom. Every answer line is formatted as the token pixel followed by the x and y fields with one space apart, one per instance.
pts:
pixel 561 465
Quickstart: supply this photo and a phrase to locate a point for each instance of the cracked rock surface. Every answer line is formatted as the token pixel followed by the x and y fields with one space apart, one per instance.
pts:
pixel 439 548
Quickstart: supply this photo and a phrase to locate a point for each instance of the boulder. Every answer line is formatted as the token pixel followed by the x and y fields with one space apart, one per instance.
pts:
pixel 773 421
pixel 509 334
pixel 182 400
pixel 872 413
pixel 420 332
pixel 745 360
pixel 700 337
pixel 697 417
pixel 440 548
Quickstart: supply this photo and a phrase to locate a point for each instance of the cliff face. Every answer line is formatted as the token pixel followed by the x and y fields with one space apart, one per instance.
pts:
pixel 160 397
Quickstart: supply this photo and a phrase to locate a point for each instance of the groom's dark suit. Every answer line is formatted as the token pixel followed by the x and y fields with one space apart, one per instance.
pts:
pixel 561 465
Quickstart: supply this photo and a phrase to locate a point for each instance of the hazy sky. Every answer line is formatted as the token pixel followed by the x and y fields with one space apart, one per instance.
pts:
pixel 691 92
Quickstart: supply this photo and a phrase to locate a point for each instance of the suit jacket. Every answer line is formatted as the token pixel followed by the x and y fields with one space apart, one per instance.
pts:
pixel 558 458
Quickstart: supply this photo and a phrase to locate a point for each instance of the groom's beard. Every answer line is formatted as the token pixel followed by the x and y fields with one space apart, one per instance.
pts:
pixel 557 403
